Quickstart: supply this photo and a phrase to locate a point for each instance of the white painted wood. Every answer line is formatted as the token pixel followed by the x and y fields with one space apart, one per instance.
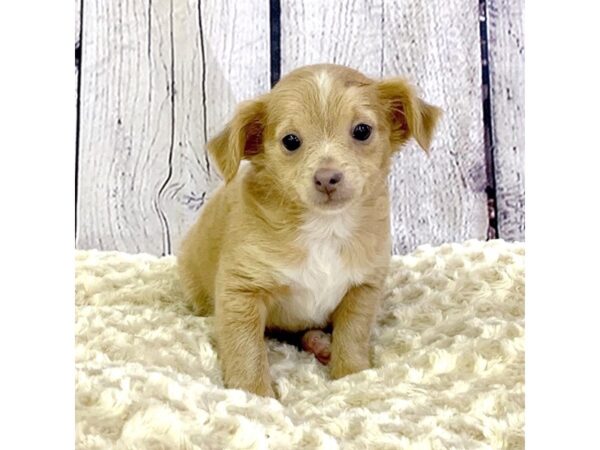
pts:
pixel 158 77
pixel 435 43
pixel 125 126
pixel 507 60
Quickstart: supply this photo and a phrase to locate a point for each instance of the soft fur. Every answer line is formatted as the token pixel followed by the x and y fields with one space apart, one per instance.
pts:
pixel 448 363
pixel 272 251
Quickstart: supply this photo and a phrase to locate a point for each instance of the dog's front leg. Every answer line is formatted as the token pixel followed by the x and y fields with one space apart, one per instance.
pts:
pixel 240 320
pixel 352 322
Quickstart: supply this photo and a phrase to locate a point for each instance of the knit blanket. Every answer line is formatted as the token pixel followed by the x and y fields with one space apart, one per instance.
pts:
pixel 448 362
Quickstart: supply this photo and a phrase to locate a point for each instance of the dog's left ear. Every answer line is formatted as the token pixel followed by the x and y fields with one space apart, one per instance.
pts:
pixel 241 138
pixel 409 115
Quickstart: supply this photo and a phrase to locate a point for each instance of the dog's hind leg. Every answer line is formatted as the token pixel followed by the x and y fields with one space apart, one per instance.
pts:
pixel 201 303
pixel 195 295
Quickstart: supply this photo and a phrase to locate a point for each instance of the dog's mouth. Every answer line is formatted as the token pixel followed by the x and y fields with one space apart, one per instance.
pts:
pixel 332 202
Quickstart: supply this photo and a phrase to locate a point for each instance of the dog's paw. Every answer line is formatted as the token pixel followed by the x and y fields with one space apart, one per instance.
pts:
pixel 262 390
pixel 265 391
pixel 260 387
pixel 317 342
pixel 340 367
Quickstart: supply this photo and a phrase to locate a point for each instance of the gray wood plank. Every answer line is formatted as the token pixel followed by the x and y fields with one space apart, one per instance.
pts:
pixel 507 60
pixel 434 43
pixel 157 78
pixel 125 128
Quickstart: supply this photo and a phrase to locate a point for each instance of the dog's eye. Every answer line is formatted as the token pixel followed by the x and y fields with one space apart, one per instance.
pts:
pixel 361 132
pixel 291 142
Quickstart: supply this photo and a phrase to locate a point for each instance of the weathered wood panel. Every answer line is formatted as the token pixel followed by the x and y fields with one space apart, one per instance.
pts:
pixel 507 60
pixel 160 77
pixel 435 43
pixel 157 78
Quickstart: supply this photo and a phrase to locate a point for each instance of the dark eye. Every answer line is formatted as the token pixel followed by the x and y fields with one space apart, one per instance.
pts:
pixel 291 142
pixel 361 132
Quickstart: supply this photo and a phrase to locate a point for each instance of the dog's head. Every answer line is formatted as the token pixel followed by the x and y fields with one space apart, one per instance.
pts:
pixel 324 135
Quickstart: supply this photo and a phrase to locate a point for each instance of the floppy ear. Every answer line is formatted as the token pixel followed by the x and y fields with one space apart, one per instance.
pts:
pixel 409 115
pixel 241 138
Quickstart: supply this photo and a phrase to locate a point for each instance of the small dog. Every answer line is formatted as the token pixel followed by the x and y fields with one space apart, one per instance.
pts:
pixel 299 238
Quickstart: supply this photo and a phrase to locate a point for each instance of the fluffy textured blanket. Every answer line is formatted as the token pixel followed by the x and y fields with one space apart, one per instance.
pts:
pixel 448 363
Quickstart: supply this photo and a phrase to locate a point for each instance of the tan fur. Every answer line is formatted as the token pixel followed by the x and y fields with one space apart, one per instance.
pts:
pixel 247 256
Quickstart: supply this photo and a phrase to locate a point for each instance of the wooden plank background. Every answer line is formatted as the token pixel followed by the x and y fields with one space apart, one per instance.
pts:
pixel 158 78
pixel 507 59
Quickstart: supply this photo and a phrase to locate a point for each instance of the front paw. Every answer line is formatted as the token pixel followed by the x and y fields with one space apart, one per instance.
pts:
pixel 260 387
pixel 345 365
pixel 264 391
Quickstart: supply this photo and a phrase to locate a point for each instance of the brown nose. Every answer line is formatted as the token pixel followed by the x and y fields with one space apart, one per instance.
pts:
pixel 327 179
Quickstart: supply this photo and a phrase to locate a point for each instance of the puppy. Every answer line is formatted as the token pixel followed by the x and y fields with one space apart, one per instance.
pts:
pixel 299 238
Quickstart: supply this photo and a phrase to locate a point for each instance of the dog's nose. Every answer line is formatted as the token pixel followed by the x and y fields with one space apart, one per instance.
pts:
pixel 326 179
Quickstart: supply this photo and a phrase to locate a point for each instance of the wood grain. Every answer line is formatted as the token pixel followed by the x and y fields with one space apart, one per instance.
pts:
pixel 157 78
pixel 435 44
pixel 507 60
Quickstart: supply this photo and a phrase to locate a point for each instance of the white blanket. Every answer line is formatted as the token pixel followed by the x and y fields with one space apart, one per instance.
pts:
pixel 448 363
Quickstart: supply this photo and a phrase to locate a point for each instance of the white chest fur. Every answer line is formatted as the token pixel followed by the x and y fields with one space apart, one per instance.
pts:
pixel 318 284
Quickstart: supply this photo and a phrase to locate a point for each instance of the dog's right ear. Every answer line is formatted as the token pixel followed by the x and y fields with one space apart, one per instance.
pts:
pixel 241 138
pixel 410 116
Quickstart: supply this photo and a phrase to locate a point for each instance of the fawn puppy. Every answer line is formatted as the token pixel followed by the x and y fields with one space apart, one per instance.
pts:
pixel 299 238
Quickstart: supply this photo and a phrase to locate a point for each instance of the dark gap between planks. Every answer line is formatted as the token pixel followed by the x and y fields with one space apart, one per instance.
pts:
pixel 275 32
pixel 78 57
pixel 488 142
